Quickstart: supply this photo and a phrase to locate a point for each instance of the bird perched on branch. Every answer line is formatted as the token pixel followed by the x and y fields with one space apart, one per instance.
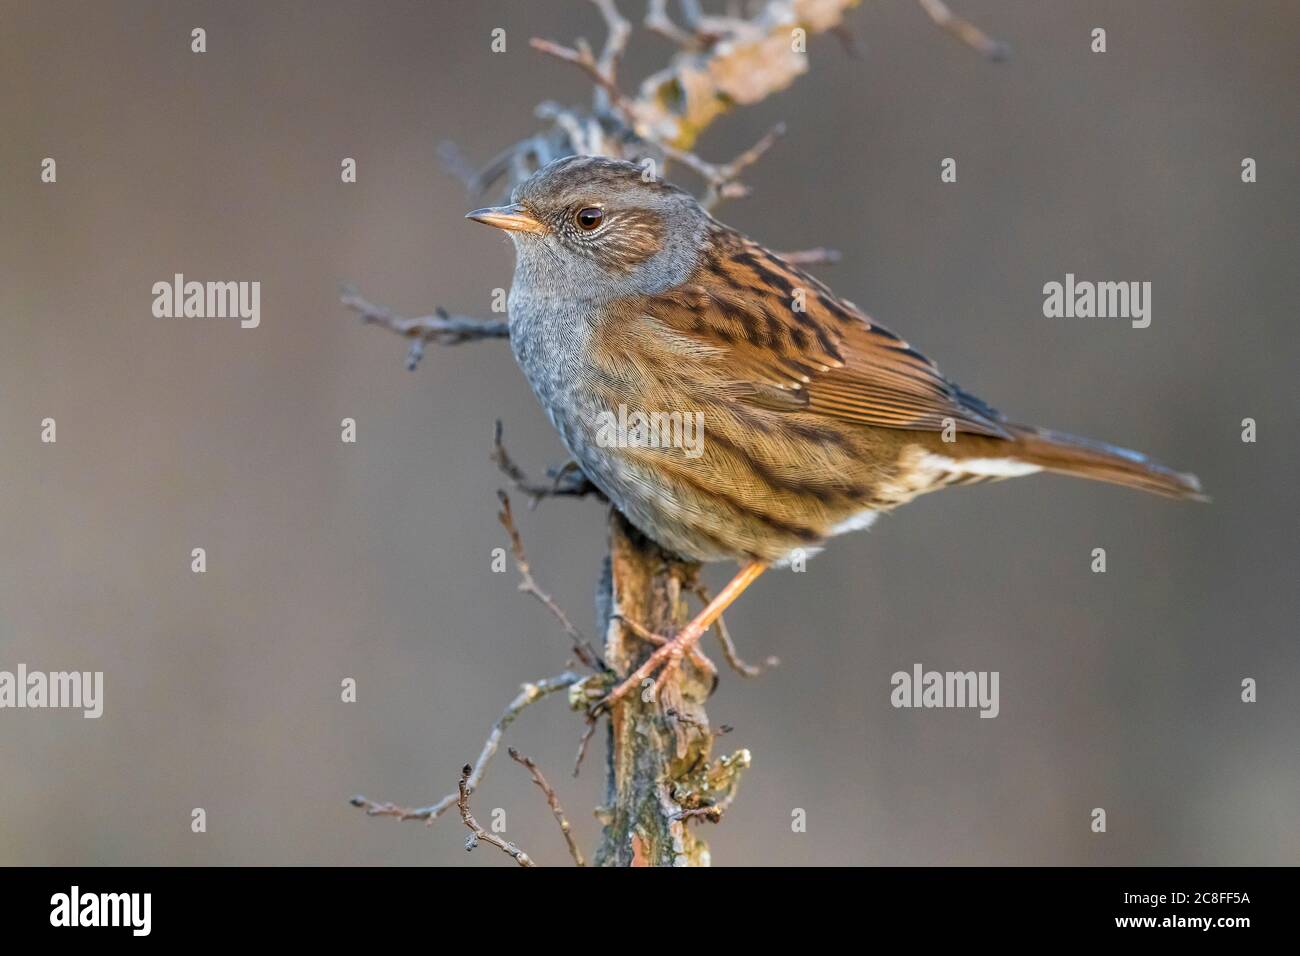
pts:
pixel 631 303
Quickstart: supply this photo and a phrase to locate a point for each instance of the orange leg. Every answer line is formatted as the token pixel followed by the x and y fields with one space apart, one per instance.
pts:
pixel 670 653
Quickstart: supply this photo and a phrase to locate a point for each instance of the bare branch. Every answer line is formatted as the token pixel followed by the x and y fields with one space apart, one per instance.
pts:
pixel 698 588
pixel 733 658
pixel 603 69
pixel 553 802
pixel 723 180
pixel 585 60
pixel 529 693
pixel 458 164
pixel 618 30
pixel 567 481
pixel 711 77
pixel 811 257
pixel 477 832
pixel 374 809
pixel 441 328
pixel 583 741
pixel 581 646
pixel 964 30
pixel 726 62
pixel 658 21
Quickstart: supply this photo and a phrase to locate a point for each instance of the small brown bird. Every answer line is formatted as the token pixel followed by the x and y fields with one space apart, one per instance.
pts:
pixel 730 404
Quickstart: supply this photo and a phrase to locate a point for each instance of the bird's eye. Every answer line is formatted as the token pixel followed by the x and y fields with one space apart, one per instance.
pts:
pixel 590 217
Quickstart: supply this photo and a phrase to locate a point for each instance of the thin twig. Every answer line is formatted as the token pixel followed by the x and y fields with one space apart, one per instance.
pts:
pixel 603 69
pixel 811 257
pixel 441 328
pixel 568 481
pixel 528 585
pixel 476 831
pixel 658 21
pixel 712 814
pixel 723 179
pixel 458 164
pixel 529 693
pixel 728 645
pixel 374 809
pixel 965 31
pixel 617 33
pixel 585 60
pixel 553 802
pixel 583 741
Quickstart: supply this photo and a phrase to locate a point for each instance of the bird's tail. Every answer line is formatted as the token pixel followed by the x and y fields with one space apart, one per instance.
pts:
pixel 1084 458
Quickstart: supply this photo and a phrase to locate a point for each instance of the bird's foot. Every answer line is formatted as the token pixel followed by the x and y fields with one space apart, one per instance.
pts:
pixel 696 655
pixel 664 663
pixel 668 656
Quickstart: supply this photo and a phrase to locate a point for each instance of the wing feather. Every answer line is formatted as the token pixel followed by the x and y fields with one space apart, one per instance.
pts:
pixel 782 340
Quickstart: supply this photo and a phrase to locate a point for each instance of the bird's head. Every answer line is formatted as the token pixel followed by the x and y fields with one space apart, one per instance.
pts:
pixel 587 227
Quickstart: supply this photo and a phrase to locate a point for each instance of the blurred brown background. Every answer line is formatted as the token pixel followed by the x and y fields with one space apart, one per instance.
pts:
pixel 372 560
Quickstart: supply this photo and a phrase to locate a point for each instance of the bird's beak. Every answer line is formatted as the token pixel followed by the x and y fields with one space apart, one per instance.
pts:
pixel 512 218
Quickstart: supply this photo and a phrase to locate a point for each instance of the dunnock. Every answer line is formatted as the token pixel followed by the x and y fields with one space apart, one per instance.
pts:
pixel 630 298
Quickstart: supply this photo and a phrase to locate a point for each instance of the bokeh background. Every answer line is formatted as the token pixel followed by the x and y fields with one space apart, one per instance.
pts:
pixel 372 560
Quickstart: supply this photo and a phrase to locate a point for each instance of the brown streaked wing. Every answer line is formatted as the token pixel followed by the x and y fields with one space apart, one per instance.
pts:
pixel 828 359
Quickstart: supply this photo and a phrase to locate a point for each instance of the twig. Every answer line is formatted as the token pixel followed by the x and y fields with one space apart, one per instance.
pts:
pixel 657 21
pixel 712 814
pixel 583 741
pixel 584 59
pixel 618 30
pixel 752 155
pixel 374 809
pixel 728 646
pixel 811 257
pixel 528 584
pixel 723 179
pixel 478 833
pixel 567 481
pixel 604 69
pixel 441 328
pixel 458 164
pixel 529 693
pixel 552 801
pixel 965 31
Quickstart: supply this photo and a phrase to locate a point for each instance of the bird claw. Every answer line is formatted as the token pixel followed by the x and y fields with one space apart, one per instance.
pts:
pixel 663 664
pixel 698 657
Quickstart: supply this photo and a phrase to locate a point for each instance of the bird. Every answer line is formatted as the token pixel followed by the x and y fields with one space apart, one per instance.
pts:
pixel 632 304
